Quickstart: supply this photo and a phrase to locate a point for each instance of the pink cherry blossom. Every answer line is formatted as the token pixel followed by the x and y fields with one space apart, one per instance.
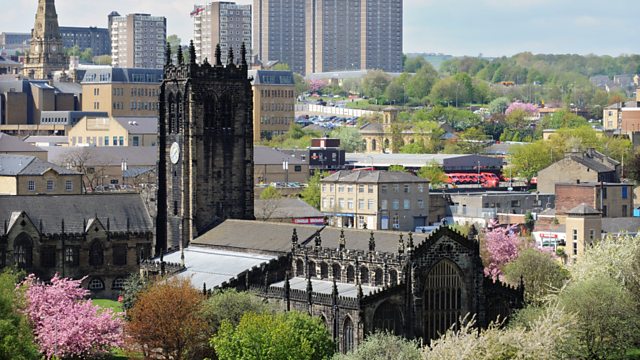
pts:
pixel 529 108
pixel 67 325
pixel 502 246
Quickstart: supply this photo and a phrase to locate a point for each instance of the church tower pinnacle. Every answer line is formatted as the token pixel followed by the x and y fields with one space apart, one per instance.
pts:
pixel 46 54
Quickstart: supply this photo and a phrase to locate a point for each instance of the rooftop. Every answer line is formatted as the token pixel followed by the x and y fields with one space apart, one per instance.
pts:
pixel 326 287
pixel 139 125
pixel 373 177
pixel 105 155
pixel 284 208
pixel 12 144
pixel 12 165
pixel 583 209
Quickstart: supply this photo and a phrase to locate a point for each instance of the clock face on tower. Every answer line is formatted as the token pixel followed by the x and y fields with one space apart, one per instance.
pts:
pixel 174 153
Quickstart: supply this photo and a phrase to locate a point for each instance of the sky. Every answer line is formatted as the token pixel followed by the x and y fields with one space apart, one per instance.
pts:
pixel 455 27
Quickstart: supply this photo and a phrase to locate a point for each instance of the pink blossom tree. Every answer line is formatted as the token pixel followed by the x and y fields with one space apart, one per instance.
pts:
pixel 316 85
pixel 67 325
pixel 502 246
pixel 526 107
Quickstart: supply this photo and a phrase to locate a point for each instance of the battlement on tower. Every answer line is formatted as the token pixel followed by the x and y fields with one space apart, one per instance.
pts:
pixel 205 71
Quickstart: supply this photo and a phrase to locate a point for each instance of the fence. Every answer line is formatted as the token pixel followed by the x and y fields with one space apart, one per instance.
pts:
pixel 331 110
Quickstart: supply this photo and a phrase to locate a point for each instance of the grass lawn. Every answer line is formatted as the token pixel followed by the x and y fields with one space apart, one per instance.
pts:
pixel 108 304
pixel 633 354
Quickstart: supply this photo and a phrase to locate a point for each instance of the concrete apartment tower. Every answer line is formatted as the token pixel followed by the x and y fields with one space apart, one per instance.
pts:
pixel 279 32
pixel 224 23
pixel 329 35
pixel 137 40
pixel 45 52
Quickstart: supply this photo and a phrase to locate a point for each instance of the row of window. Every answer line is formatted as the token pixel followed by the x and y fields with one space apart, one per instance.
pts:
pixel 51 185
pixel 329 203
pixel 375 277
pixel 406 188
pixel 276 93
pixel 277 107
pixel 275 120
pixel 98 140
pixel 98 284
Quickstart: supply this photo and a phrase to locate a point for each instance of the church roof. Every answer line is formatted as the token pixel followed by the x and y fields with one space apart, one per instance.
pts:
pixel 373 177
pixel 326 287
pixel 284 208
pixel 583 209
pixel 51 210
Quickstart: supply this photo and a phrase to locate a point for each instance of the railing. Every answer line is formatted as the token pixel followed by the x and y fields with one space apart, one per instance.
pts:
pixel 332 110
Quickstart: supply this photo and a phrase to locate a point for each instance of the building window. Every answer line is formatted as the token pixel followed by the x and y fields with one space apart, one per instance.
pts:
pixel 361 204
pixel 68 185
pixel 50 185
pixel 118 283
pixel 347 335
pixel 592 234
pixel 575 235
pixel 407 204
pixel 420 188
pixel 121 140
pixel 115 141
pixel 350 188
pixel 120 254
pixel 396 188
pixel 331 187
pixel 297 168
pixel 96 284
pixel 340 188
pixel 383 204
pixel 396 221
pixel 625 193
pixel 31 185
pixel 48 256
pixel 136 141
pixel 350 204
pixel 420 204
pixel 96 254
pixel 369 204
pixel 624 211
pixel 324 187
pixel 370 189
pixel 604 193
pixel 395 204
pixel 106 141
pixel 23 251
pixel 604 210
pixel 383 189
pixel 72 255
pixel 407 188
pixel 575 248
pixel 515 203
pixel 360 188
pixel 341 203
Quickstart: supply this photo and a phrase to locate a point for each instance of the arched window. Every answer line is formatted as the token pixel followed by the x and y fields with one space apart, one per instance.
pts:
pixel 378 277
pixel 336 270
pixel 351 274
pixel 373 145
pixel 118 283
pixel 299 268
pixel 388 317
pixel 364 275
pixel 386 143
pixel 312 269
pixel 393 277
pixel 442 298
pixel 347 335
pixel 96 254
pixel 324 270
pixel 23 251
pixel 96 284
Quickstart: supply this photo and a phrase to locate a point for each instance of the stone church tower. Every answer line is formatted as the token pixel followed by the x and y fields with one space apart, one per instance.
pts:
pixel 45 54
pixel 205 170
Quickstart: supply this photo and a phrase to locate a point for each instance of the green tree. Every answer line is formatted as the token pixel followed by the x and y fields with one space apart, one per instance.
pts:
pixel 434 172
pixel 419 85
pixel 133 286
pixel 230 305
pixel 395 91
pixel 301 85
pixel 86 55
pixel 384 346
pixel 375 83
pixel 350 138
pixel 16 339
pixel 608 321
pixel 499 105
pixel 311 194
pixel 542 274
pixel 270 193
pixel 398 168
pixel 413 64
pixel 102 60
pixel 527 160
pixel 174 41
pixel 289 335
pixel 281 66
pixel 563 119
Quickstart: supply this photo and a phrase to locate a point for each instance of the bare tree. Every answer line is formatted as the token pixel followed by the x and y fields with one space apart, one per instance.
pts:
pixel 84 161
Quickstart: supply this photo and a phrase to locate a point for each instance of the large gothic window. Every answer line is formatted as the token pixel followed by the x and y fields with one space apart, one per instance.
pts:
pixel 347 335
pixel 364 275
pixel 378 277
pixel 312 269
pixel 120 254
pixel 351 274
pixel 96 254
pixel 324 270
pixel 23 251
pixel 299 268
pixel 393 277
pixel 337 271
pixel 48 256
pixel 388 318
pixel 442 298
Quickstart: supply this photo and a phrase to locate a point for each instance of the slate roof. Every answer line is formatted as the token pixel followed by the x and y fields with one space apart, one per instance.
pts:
pixel 139 125
pixel 10 144
pixel 275 238
pixel 264 155
pixel 53 139
pixel 373 177
pixel 213 267
pixel 12 165
pixel 122 75
pixel 272 77
pixel 137 156
pixel 583 209
pixel 52 209
pixel 592 164
pixel 371 128
pixel 285 208
pixel 629 225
